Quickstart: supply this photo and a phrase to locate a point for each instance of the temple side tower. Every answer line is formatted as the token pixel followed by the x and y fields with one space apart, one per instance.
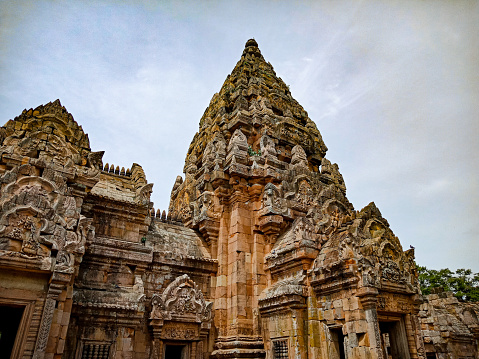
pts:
pixel 47 170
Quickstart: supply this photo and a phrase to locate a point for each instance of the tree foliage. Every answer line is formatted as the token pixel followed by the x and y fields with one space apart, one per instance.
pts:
pixel 463 283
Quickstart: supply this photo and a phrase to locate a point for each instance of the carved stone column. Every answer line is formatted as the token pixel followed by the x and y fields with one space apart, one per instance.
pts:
pixel 416 328
pixel 298 344
pixel 368 298
pixel 58 282
pixel 199 350
pixel 157 345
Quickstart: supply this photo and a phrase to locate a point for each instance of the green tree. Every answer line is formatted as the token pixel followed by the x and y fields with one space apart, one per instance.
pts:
pixel 463 283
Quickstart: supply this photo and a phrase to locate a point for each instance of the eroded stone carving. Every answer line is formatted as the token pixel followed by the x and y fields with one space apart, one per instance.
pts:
pixel 182 300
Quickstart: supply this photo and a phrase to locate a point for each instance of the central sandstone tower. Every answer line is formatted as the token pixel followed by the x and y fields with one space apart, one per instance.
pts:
pixel 273 212
pixel 254 142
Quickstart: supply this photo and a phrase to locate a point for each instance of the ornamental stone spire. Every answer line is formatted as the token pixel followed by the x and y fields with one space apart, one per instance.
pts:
pixel 252 170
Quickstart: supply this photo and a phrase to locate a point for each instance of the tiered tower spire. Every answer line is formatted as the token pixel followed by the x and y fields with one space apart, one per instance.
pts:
pixel 256 164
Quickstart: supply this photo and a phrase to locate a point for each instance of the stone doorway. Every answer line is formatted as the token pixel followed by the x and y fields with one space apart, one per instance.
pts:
pixel 176 351
pixel 337 343
pixel 9 324
pixel 393 339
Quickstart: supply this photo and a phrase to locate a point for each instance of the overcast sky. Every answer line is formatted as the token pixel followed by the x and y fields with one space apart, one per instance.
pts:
pixel 393 86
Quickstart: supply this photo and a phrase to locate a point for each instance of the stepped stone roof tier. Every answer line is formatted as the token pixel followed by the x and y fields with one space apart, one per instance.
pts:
pixel 260 255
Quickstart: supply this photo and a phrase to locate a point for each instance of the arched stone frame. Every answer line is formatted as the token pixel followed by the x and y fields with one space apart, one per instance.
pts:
pixel 180 315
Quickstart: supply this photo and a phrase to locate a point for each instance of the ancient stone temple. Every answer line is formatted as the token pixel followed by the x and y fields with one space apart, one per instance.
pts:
pixel 260 255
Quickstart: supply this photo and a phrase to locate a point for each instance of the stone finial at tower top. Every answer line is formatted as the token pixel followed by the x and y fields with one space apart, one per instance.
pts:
pixel 251 42
pixel 251 47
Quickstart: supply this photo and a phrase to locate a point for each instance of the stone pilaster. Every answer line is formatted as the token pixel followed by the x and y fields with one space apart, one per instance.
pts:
pixel 58 282
pixel 369 301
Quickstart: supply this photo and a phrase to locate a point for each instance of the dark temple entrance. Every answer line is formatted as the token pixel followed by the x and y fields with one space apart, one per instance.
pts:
pixel 337 348
pixel 393 339
pixel 175 351
pixel 9 323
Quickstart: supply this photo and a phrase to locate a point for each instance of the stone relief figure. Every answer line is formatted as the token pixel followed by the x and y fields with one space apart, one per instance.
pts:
pixel 271 198
pixel 326 167
pixel 336 219
pixel 64 262
pixel 190 167
pixel 219 145
pixel 206 207
pixel 157 307
pixel 143 193
pixel 30 244
pixel 70 207
pixel 268 197
pixel 370 275
pixel 305 195
pixel 241 103
pixel 303 230
pixel 238 141
pixel 391 272
pixel 267 146
pixel 85 231
pixel 208 154
pixel 138 286
pixel 184 210
pixel 205 204
pixel 185 301
pixel 218 151
pixel 298 156
pixel 349 248
pixel 95 159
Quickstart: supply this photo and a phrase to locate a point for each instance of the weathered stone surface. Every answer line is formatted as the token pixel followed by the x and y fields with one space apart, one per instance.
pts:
pixel 260 254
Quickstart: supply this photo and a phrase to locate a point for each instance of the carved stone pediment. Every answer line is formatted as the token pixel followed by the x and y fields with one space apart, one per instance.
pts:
pixel 238 142
pixel 38 217
pixel 181 301
pixel 288 292
pixel 391 272
pixel 304 197
pixel 332 216
pixel 299 242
